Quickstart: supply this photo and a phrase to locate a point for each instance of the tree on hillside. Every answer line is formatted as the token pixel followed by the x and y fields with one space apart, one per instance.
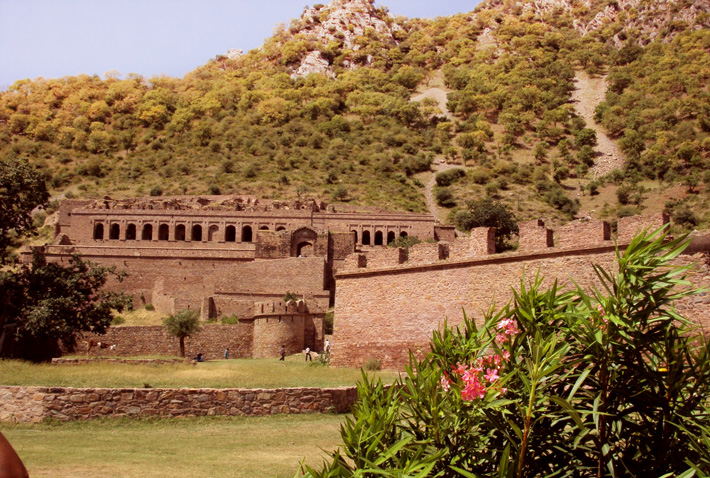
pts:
pixel 584 383
pixel 487 213
pixel 22 188
pixel 182 325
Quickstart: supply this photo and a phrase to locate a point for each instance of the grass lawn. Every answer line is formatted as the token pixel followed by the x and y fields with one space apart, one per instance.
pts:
pixel 208 447
pixel 241 373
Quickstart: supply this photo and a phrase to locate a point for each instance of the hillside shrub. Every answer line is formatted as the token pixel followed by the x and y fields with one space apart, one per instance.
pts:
pixel 450 176
pixel 560 382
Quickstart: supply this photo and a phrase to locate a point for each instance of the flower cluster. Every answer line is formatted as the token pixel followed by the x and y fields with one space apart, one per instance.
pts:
pixel 477 377
pixel 602 314
pixel 506 329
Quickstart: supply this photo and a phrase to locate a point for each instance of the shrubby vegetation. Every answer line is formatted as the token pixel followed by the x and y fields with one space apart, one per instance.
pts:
pixel 245 125
pixel 607 382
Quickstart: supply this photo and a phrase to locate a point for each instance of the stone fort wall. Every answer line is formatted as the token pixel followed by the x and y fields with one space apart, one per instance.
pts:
pixel 385 307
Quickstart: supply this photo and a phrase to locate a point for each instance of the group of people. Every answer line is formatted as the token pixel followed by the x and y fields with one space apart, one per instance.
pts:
pixel 309 357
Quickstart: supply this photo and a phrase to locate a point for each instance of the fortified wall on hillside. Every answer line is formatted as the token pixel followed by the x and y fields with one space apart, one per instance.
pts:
pixel 230 255
pixel 389 302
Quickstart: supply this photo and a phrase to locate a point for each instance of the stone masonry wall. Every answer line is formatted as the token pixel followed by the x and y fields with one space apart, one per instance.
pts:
pixel 383 313
pixel 155 340
pixel 34 404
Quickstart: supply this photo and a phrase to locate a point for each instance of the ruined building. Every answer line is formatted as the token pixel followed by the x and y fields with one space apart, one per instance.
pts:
pixel 232 256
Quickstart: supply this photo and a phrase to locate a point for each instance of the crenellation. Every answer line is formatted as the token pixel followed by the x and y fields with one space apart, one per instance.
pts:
pixel 582 233
pixel 534 236
pixel 627 227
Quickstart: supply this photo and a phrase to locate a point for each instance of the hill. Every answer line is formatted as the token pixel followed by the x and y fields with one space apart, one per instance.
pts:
pixel 325 107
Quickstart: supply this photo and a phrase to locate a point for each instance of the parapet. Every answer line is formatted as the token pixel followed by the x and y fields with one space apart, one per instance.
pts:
pixel 269 308
pixel 480 243
pixel 583 233
pixel 534 236
pixel 628 227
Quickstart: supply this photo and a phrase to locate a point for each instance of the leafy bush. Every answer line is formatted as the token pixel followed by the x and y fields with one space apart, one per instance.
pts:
pixel 444 197
pixel 149 307
pixel 372 364
pixel 487 213
pixel 608 382
pixel 450 176
pixel 229 320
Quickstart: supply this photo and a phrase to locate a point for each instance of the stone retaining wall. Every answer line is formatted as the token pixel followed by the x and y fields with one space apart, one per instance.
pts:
pixel 34 404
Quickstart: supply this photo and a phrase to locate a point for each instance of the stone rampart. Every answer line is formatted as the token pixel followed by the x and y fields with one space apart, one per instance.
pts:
pixel 382 313
pixel 34 404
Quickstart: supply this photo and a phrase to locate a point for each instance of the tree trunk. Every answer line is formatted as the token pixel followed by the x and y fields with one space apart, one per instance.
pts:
pixel 182 347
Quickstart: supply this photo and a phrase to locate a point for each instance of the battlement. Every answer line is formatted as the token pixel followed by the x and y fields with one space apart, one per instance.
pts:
pixel 280 308
pixel 534 237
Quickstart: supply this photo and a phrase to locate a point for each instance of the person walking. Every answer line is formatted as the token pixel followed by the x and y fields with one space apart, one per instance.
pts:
pixel 226 353
pixel 283 354
pixel 308 354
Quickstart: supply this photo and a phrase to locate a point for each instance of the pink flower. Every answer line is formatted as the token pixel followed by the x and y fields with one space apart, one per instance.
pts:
pixel 473 390
pixel 445 383
pixel 506 355
pixel 459 369
pixel 470 375
pixel 491 375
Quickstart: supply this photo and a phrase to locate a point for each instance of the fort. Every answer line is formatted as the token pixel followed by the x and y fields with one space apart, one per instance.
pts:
pixel 230 256
pixel 237 255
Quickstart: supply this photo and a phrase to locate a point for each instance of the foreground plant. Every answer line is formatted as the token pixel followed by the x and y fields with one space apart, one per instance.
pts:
pixel 608 382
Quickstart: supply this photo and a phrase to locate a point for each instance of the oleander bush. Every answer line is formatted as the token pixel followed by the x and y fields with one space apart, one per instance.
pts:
pixel 560 382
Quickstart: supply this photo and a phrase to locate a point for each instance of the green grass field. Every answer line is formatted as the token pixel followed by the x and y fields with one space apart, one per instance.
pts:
pixel 186 447
pixel 207 447
pixel 243 373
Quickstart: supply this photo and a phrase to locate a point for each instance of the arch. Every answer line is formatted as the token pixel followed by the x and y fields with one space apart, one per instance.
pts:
pixel 246 234
pixel 131 232
pixel 365 238
pixel 379 239
pixel 230 234
pixel 196 232
pixel 390 237
pixel 355 236
pixel 163 232
pixel 212 233
pixel 115 232
pixel 98 232
pixel 263 228
pixel 303 242
pixel 280 228
pixel 403 234
pixel 180 232
pixel 147 234
pixel 304 249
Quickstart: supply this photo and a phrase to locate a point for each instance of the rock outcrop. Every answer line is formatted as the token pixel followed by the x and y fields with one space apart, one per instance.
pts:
pixel 341 23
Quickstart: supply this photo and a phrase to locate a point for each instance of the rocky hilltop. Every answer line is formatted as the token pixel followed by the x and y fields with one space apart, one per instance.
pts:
pixel 642 20
pixel 341 24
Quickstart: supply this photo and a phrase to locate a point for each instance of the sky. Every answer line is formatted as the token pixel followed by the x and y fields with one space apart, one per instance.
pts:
pixel 56 38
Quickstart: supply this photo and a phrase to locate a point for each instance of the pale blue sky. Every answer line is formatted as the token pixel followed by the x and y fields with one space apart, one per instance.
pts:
pixel 55 38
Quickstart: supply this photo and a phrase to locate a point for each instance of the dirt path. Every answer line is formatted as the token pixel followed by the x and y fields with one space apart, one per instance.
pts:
pixel 438 166
pixel 589 92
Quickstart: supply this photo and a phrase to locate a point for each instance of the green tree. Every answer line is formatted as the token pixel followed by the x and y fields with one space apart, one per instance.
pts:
pixel 603 382
pixel 22 189
pixel 488 213
pixel 182 325
pixel 47 303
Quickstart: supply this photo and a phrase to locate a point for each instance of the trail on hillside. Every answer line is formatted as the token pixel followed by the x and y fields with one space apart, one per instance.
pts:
pixel 588 93
pixel 438 166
